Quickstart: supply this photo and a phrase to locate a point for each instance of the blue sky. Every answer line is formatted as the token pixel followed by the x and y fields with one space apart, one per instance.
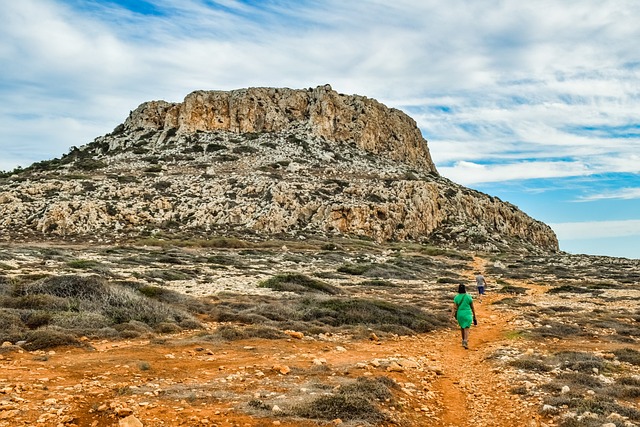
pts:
pixel 534 102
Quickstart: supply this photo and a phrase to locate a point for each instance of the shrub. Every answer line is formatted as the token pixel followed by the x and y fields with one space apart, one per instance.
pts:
pixel 628 355
pixel 556 330
pixel 82 322
pixel 632 381
pixel 299 283
pixel 354 269
pixel 580 379
pixel 225 158
pixel 355 401
pixel 90 164
pixel 244 149
pixel 569 289
pixel 39 302
pixel 93 297
pixel 450 280
pixel 167 328
pixel 215 147
pixel 10 321
pixel 221 242
pixel 530 364
pixel 340 312
pixel 167 275
pixel 376 282
pixel 82 264
pixel 35 319
pixel 91 287
pixel 47 338
pixel 598 404
pixel 511 289
pixel 623 391
pixel 579 361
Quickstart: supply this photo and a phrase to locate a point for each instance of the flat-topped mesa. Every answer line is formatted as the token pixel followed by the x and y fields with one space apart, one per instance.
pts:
pixel 342 118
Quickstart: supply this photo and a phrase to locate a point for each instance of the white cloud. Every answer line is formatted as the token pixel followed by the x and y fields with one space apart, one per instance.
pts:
pixel 623 193
pixel 596 229
pixel 467 173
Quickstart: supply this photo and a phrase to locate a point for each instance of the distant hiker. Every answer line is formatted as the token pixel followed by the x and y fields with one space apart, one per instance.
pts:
pixel 464 313
pixel 480 284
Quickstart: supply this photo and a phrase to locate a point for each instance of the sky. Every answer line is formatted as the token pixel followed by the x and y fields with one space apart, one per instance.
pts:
pixel 537 103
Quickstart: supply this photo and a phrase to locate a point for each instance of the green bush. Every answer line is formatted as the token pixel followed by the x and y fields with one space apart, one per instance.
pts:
pixel 354 269
pixel 299 283
pixel 628 355
pixel 89 164
pixel 580 361
pixel 355 401
pixel 376 282
pixel 372 313
pixel 450 280
pixel 91 303
pixel 83 264
pixel 215 147
pixel 46 338
pixel 244 149
pixel 530 364
pixel 9 320
pixel 79 287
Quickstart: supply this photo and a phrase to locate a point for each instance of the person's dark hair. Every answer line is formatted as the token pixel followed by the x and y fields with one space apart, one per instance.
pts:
pixel 462 289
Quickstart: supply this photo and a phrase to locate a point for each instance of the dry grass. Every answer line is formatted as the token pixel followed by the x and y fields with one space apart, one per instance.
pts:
pixel 356 401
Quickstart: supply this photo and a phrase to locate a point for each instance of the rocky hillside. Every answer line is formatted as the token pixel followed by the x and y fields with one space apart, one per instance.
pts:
pixel 260 162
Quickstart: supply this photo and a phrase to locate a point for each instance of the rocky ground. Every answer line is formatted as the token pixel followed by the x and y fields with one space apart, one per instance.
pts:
pixel 556 344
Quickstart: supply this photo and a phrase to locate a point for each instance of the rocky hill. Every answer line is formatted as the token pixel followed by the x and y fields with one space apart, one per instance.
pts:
pixel 260 162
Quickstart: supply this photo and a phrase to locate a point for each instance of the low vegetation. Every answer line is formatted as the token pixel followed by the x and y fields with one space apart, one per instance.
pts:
pixel 57 310
pixel 356 401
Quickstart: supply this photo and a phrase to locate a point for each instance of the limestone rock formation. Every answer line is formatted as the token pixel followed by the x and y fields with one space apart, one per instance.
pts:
pixel 330 115
pixel 261 162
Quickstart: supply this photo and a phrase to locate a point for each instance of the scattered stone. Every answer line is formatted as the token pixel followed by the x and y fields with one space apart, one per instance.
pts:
pixel 283 369
pixel 394 367
pixel 407 363
pixel 123 412
pixel 130 421
pixel 294 334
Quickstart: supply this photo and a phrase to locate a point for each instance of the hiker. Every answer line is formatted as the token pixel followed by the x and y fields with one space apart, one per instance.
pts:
pixel 480 284
pixel 464 313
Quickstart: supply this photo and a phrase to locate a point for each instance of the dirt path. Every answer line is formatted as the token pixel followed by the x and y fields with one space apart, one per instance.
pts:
pixel 472 393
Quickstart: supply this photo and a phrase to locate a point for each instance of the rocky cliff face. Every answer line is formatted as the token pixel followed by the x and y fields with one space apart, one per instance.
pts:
pixel 261 162
pixel 328 114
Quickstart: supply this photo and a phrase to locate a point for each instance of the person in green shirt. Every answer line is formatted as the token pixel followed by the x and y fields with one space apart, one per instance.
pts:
pixel 464 313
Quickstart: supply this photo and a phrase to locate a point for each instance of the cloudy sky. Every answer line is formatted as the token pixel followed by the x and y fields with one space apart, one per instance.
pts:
pixel 536 102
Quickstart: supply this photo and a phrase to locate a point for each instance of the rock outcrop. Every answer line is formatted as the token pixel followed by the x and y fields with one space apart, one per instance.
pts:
pixel 261 162
pixel 330 115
